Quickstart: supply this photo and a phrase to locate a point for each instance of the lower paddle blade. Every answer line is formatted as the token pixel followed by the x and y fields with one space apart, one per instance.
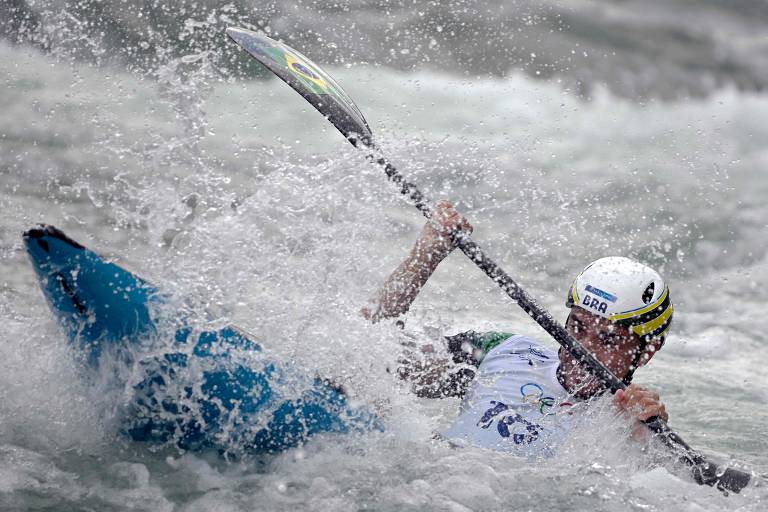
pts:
pixel 309 80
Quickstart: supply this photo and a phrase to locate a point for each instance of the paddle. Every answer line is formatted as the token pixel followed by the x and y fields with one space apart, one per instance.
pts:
pixel 320 90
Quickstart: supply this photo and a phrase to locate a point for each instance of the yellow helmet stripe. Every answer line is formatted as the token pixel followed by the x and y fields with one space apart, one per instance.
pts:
pixel 665 329
pixel 648 327
pixel 644 309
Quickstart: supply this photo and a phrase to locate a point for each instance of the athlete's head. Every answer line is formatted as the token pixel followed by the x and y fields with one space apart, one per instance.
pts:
pixel 621 312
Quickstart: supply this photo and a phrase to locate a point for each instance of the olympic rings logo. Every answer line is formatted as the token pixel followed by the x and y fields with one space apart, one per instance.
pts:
pixel 533 395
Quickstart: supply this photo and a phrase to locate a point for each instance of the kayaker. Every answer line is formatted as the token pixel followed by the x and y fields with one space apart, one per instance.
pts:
pixel 521 394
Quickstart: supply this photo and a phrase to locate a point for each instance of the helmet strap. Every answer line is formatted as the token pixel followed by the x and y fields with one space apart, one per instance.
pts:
pixel 627 380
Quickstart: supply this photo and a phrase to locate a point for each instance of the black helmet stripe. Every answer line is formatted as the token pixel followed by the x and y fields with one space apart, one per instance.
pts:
pixel 648 316
pixel 660 330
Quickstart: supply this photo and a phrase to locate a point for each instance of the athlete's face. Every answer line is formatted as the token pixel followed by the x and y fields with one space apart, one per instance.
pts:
pixel 613 345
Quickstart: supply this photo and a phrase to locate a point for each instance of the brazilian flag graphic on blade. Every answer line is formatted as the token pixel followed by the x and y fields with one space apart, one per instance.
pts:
pixel 301 69
pixel 305 72
pixel 307 79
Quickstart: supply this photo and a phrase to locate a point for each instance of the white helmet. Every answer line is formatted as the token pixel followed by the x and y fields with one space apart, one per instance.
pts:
pixel 626 292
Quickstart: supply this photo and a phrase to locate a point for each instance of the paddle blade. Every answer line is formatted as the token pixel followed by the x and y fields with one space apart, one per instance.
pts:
pixel 306 78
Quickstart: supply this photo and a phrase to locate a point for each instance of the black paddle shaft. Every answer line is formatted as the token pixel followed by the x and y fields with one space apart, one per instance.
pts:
pixel 704 472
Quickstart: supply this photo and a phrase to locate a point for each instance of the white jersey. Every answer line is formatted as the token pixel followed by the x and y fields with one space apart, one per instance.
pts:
pixel 515 402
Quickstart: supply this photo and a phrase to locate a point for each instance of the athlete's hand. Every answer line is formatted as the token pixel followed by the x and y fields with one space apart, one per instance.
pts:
pixel 435 235
pixel 434 244
pixel 640 403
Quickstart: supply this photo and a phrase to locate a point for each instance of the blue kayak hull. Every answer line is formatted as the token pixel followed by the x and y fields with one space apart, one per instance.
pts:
pixel 196 390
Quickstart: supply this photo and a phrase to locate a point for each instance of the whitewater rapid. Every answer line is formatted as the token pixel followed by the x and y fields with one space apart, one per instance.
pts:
pixel 238 196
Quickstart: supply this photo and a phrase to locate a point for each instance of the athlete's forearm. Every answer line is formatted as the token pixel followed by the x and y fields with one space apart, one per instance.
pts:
pixel 434 244
pixel 401 288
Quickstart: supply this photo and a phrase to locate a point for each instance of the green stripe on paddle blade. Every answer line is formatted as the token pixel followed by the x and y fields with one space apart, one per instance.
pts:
pixel 309 80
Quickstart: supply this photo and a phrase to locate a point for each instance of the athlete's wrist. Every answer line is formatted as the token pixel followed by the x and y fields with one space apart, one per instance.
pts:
pixel 432 245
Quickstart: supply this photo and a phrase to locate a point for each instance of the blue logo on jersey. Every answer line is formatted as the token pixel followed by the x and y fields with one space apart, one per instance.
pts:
pixel 600 293
pixel 526 432
pixel 530 354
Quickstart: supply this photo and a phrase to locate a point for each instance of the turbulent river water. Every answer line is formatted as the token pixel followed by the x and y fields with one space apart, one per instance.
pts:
pixel 235 194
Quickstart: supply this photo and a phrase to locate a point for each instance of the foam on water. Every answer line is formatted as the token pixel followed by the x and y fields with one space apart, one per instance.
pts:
pixel 240 199
pixel 638 48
